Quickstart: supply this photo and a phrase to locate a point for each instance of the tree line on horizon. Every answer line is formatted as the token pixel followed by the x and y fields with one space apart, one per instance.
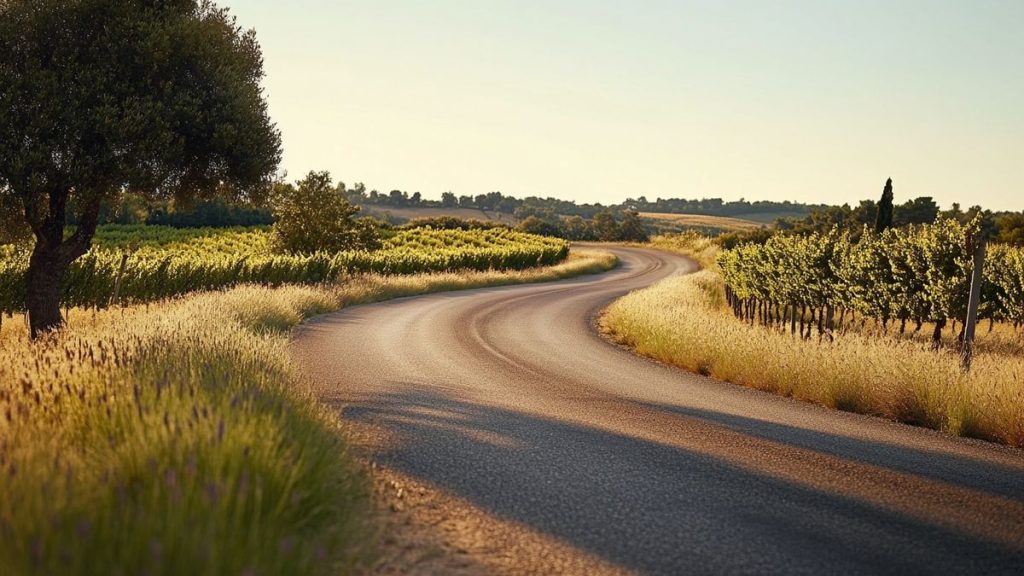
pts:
pixel 528 206
pixel 1000 227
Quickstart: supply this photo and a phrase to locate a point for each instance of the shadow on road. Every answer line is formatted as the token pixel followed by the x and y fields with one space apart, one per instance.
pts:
pixel 959 470
pixel 660 509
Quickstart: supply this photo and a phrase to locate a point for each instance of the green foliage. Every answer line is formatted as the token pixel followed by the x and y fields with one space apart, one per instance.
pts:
pixel 313 215
pixel 12 224
pixel 919 273
pixel 214 213
pixel 731 240
pixel 632 229
pixel 1010 229
pixel 451 223
pixel 604 226
pixel 877 216
pixel 922 210
pixel 166 262
pixel 536 225
pixel 1004 267
pixel 159 97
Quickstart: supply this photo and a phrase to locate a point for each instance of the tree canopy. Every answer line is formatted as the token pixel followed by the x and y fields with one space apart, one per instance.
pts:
pixel 99 97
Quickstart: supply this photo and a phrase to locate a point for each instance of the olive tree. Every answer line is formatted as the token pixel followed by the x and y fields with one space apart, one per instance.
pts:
pixel 101 97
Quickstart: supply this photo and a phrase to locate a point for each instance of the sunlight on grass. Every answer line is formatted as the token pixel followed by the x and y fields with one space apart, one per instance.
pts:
pixel 176 438
pixel 683 321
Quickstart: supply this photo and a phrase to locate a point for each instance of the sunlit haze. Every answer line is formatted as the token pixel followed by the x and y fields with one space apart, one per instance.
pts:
pixel 595 101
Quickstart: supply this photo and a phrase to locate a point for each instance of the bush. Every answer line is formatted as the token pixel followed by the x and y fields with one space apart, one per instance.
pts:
pixel 450 223
pixel 534 225
pixel 313 216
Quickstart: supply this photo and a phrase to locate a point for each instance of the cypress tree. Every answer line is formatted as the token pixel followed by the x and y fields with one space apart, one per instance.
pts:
pixel 885 209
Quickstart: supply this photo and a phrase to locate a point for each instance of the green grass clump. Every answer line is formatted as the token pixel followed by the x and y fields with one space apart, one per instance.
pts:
pixel 172 442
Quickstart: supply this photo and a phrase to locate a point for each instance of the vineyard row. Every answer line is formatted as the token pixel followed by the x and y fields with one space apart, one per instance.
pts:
pixel 909 275
pixel 157 271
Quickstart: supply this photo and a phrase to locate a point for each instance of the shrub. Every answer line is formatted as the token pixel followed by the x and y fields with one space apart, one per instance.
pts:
pixel 313 216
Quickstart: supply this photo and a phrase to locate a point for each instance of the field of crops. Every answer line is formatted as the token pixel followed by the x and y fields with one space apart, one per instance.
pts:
pixel 166 262
pixel 909 275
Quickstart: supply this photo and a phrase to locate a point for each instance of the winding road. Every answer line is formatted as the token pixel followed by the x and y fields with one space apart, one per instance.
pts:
pixel 508 398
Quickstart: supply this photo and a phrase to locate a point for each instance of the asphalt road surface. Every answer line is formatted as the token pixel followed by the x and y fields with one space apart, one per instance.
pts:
pixel 509 398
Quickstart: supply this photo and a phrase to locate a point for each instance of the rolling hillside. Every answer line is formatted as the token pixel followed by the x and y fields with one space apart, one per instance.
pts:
pixel 707 224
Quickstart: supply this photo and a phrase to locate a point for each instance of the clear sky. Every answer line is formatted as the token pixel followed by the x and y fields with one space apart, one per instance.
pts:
pixel 599 100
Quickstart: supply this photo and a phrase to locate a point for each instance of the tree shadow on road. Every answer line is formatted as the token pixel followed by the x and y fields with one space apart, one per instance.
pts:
pixel 959 470
pixel 661 509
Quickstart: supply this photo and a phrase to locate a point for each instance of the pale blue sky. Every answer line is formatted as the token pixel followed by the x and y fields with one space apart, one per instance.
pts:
pixel 811 100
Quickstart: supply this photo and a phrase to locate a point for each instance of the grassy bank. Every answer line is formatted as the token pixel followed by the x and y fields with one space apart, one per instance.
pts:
pixel 683 321
pixel 697 246
pixel 177 438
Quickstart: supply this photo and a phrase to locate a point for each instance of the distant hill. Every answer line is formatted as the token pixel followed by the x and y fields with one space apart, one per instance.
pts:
pixel 771 218
pixel 714 225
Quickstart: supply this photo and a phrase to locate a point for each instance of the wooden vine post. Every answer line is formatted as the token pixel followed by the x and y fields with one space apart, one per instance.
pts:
pixel 971 322
pixel 115 298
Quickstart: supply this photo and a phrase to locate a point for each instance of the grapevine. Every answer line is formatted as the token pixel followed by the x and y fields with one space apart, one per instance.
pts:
pixel 167 262
pixel 908 276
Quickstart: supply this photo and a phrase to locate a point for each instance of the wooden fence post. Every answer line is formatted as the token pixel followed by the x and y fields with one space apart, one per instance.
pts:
pixel 116 296
pixel 971 322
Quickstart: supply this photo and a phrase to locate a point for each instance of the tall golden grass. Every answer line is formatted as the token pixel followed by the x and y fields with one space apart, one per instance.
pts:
pixel 684 321
pixel 178 439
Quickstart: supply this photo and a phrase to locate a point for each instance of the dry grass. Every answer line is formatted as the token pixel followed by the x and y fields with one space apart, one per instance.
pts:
pixel 683 321
pixel 703 221
pixel 697 246
pixel 177 439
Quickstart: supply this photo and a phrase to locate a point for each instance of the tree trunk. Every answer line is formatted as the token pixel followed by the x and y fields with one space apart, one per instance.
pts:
pixel 51 257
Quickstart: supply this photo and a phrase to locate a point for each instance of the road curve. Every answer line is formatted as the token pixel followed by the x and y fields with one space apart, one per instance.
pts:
pixel 507 397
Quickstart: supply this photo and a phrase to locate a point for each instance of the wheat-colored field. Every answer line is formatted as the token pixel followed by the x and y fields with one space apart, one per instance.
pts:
pixel 702 221
pixel 176 437
pixel 684 321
